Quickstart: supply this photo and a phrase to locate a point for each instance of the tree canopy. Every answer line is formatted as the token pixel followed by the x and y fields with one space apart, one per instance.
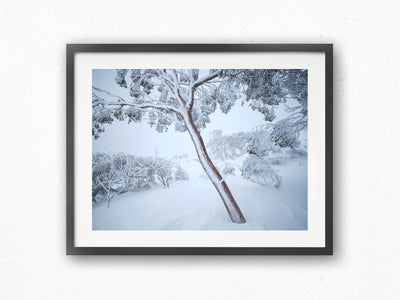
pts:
pixel 164 94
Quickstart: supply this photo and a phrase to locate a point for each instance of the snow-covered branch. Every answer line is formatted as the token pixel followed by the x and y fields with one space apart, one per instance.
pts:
pixel 196 84
pixel 204 79
pixel 120 102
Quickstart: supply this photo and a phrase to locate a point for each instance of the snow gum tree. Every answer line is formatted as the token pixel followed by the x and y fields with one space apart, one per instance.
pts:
pixel 186 98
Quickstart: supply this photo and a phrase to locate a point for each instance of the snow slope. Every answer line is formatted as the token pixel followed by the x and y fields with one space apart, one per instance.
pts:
pixel 195 204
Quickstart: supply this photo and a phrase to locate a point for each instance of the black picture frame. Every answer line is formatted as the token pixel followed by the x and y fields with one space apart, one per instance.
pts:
pixel 73 49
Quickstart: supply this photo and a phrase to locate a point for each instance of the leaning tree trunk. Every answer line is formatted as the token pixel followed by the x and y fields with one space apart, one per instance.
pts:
pixel 230 204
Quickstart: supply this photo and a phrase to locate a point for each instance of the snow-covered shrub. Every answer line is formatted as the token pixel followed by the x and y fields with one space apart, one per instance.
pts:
pixel 180 173
pixel 228 169
pixel 118 173
pixel 107 176
pixel 262 148
pixel 260 171
pixel 167 171
pixel 226 147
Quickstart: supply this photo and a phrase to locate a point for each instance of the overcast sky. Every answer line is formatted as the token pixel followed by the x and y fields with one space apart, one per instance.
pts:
pixel 141 139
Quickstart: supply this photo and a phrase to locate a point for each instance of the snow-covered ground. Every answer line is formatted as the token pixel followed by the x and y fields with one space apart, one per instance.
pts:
pixel 194 204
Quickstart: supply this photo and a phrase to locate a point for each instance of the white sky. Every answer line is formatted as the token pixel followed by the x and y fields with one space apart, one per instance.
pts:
pixel 141 139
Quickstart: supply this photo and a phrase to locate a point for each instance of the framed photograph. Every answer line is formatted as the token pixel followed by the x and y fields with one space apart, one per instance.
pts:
pixel 201 149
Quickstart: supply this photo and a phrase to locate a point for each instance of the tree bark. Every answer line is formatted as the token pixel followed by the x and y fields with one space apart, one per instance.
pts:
pixel 223 190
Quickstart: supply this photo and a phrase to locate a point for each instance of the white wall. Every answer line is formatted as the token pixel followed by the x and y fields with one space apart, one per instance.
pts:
pixel 366 41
